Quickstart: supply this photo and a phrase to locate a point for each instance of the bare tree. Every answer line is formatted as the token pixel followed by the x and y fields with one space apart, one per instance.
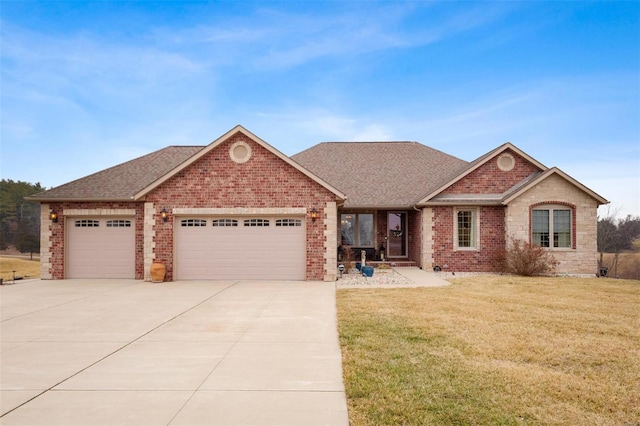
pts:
pixel 616 235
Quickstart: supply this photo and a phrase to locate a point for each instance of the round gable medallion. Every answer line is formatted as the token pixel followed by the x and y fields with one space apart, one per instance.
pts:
pixel 240 152
pixel 506 162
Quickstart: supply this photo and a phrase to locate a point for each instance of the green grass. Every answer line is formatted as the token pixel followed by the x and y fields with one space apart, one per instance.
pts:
pixel 493 350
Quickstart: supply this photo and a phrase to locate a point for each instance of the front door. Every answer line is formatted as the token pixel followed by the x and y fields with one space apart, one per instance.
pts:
pixel 397 234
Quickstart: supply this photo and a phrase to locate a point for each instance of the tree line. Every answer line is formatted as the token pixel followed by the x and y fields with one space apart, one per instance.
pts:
pixel 616 236
pixel 19 218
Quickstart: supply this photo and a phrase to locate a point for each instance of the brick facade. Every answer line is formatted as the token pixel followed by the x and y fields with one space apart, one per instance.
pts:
pixel 65 210
pixel 265 181
pixel 480 258
pixel 490 179
pixel 225 181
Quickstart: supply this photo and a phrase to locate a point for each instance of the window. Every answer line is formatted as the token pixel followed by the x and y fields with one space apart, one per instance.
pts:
pixel 288 222
pixel 357 229
pixel 466 229
pixel 118 223
pixel 87 223
pixel 256 222
pixel 551 227
pixel 193 222
pixel 224 222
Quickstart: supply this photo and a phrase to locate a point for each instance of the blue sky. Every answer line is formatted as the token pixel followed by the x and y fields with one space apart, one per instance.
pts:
pixel 88 85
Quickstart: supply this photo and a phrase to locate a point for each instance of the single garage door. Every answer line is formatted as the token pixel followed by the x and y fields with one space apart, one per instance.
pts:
pixel 246 248
pixel 100 248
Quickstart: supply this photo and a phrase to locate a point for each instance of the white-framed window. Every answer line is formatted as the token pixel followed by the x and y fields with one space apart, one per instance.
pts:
pixel 466 229
pixel 118 223
pixel 87 223
pixel 288 222
pixel 551 226
pixel 357 229
pixel 256 222
pixel 224 222
pixel 193 222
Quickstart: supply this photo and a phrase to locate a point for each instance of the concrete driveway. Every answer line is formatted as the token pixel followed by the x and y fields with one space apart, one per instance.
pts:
pixel 106 352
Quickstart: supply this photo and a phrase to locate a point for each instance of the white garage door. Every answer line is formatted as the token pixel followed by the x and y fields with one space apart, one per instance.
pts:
pixel 240 248
pixel 100 248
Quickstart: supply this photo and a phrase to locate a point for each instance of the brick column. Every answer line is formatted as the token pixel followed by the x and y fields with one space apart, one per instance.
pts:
pixel 330 241
pixel 149 235
pixel 427 238
pixel 45 243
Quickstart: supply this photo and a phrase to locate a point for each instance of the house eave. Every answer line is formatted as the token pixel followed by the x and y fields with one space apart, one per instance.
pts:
pixel 460 203
pixel 80 200
pixel 378 207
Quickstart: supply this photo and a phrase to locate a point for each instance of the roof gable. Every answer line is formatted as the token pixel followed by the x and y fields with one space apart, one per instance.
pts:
pixel 545 175
pixel 213 145
pixel 476 165
pixel 381 174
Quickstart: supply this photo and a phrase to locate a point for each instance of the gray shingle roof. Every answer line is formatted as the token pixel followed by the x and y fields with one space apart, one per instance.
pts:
pixel 381 174
pixel 123 181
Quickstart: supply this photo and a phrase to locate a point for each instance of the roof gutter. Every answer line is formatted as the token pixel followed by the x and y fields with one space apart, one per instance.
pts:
pixel 79 200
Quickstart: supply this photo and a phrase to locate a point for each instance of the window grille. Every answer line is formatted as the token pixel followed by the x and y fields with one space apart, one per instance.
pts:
pixel 256 222
pixel 224 222
pixel 193 222
pixel 87 223
pixel 288 222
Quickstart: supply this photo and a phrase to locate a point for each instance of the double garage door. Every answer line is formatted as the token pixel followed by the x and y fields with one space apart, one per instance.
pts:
pixel 249 248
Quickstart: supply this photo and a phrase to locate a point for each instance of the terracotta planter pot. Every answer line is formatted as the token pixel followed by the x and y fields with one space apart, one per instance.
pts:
pixel 157 272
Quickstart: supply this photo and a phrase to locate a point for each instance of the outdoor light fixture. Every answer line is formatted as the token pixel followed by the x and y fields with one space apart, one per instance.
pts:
pixel 314 214
pixel 164 214
pixel 53 216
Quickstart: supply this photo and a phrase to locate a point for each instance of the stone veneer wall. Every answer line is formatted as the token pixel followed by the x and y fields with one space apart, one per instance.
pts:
pixel 45 243
pixel 149 234
pixel 427 226
pixel 330 221
pixel 582 259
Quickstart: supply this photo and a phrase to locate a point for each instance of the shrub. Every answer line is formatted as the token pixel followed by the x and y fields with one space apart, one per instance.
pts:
pixel 347 258
pixel 526 259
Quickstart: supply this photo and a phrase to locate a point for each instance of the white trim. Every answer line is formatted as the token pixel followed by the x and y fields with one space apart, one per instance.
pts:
pixel 238 211
pixel 99 212
pixel 475 232
pixel 552 208
pixel 237 159
pixel 508 167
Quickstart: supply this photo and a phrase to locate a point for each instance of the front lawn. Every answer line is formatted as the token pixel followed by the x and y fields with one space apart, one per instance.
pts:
pixel 24 268
pixel 493 350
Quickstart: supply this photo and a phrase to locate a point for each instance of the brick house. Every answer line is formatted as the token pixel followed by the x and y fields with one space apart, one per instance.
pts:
pixel 240 209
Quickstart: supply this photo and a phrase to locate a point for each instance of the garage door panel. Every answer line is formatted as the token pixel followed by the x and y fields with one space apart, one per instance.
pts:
pixel 240 252
pixel 100 251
